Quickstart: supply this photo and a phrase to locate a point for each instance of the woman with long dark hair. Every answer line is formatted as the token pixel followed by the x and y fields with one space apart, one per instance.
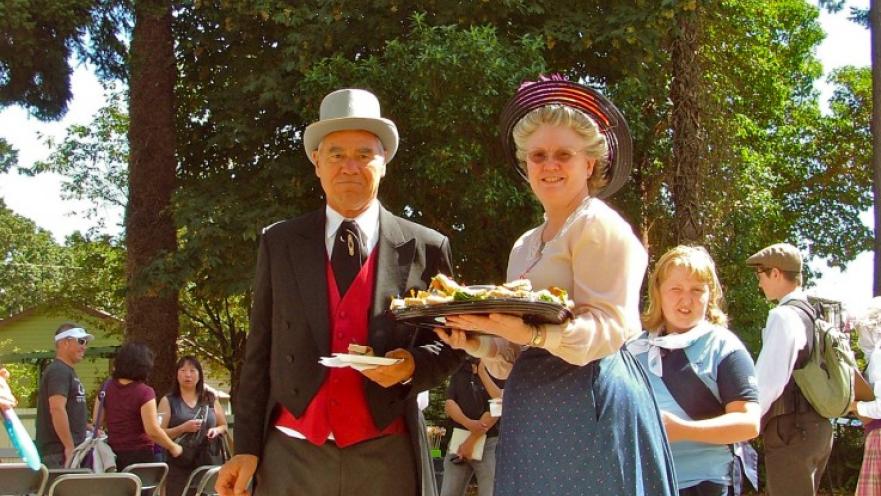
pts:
pixel 191 414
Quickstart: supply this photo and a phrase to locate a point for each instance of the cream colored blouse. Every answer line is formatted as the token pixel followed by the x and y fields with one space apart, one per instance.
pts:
pixel 596 258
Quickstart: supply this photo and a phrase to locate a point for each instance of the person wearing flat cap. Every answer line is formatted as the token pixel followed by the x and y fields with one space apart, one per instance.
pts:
pixel 324 282
pixel 579 415
pixel 797 439
pixel 61 400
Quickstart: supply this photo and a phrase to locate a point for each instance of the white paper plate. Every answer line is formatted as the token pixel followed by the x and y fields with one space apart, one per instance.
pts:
pixel 366 360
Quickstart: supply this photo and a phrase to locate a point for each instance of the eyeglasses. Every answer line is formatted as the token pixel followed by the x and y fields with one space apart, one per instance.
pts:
pixel 760 271
pixel 539 157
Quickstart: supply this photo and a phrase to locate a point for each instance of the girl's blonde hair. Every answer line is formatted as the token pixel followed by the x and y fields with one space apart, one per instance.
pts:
pixel 699 264
pixel 595 145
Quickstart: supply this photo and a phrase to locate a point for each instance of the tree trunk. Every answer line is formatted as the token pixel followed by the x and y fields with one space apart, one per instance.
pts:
pixel 875 29
pixel 687 149
pixel 152 306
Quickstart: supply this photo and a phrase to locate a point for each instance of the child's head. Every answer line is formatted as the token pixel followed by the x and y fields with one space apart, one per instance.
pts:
pixel 683 290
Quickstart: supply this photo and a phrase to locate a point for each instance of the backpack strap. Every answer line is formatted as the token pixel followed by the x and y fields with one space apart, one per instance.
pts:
pixel 807 314
pixel 695 397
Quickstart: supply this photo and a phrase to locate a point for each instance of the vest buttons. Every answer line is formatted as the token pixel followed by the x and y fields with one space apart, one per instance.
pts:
pixel 340 335
pixel 290 358
pixel 343 315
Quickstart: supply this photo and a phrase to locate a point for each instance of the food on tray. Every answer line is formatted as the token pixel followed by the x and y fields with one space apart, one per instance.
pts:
pixel 357 349
pixel 445 290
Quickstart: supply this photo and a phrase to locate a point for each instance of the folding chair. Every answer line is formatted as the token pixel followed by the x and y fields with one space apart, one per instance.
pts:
pixel 152 476
pixel 18 478
pixel 55 473
pixel 194 479
pixel 109 484
pixel 206 485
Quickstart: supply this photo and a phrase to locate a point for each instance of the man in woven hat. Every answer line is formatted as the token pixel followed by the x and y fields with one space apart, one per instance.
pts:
pixel 324 282
pixel 797 439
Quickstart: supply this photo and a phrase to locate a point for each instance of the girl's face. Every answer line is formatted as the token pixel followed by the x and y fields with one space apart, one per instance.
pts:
pixel 684 300
pixel 188 375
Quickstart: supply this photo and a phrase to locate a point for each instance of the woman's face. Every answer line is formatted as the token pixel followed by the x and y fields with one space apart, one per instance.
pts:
pixel 557 166
pixel 188 375
pixel 684 300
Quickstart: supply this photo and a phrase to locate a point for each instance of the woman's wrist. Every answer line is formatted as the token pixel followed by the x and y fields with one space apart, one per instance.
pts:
pixel 539 336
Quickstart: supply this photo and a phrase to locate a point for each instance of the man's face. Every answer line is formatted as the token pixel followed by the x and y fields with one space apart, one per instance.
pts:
pixel 73 349
pixel 350 165
pixel 769 282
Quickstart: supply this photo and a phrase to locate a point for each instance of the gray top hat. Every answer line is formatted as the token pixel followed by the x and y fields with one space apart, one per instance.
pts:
pixel 351 109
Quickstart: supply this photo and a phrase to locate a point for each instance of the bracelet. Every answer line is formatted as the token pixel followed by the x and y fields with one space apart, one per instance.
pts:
pixel 538 336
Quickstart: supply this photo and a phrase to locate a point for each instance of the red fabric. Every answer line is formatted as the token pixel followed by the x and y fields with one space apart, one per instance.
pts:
pixel 122 414
pixel 340 405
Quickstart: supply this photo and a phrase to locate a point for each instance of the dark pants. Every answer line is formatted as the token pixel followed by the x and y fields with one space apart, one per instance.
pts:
pixel 797 447
pixel 378 467
pixel 126 458
pixel 707 488
pixel 53 460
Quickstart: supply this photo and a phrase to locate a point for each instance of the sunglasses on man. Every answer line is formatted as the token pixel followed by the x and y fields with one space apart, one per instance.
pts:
pixel 81 341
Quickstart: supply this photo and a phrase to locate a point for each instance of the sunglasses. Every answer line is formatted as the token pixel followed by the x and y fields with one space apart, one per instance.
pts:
pixel 81 341
pixel 539 157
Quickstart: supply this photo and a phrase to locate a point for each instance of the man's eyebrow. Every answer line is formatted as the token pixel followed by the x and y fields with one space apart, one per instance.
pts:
pixel 367 149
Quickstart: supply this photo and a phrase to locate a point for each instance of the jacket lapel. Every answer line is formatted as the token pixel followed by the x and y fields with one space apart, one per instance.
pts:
pixel 308 257
pixel 397 250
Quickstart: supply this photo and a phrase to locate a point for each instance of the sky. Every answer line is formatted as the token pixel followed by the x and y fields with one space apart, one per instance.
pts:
pixel 39 198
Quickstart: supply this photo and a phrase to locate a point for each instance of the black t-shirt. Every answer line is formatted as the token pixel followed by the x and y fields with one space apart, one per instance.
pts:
pixel 60 379
pixel 467 390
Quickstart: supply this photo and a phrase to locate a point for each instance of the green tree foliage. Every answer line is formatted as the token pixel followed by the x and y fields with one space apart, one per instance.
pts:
pixel 29 260
pixel 39 39
pixel 35 270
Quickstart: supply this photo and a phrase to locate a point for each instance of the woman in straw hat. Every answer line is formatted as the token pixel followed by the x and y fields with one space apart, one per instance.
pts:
pixel 579 414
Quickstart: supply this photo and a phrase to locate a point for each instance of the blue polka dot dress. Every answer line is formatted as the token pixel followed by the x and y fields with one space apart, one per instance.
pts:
pixel 591 430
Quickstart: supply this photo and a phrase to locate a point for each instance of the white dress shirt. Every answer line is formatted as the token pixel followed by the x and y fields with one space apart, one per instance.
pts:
pixel 368 222
pixel 782 338
pixel 598 260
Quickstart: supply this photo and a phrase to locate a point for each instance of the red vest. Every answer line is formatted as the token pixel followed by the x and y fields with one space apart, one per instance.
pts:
pixel 340 405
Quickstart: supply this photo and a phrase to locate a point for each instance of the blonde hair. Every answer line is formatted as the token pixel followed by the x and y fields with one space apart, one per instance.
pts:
pixel 699 264
pixel 595 145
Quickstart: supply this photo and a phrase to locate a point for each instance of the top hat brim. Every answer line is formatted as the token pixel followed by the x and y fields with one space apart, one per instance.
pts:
pixel 384 129
pixel 600 109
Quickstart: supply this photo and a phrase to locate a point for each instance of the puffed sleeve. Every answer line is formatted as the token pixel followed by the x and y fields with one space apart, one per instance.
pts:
pixel 608 264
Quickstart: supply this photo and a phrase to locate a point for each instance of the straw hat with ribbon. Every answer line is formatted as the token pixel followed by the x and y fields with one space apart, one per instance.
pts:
pixel 557 91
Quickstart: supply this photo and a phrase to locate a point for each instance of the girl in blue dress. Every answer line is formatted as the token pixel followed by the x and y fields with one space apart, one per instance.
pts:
pixel 703 377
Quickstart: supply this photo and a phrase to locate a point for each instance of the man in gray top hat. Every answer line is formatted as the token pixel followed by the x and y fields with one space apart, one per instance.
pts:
pixel 324 282
pixel 797 439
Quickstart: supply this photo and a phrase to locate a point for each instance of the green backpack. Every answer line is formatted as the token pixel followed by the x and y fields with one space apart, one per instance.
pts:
pixel 826 379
